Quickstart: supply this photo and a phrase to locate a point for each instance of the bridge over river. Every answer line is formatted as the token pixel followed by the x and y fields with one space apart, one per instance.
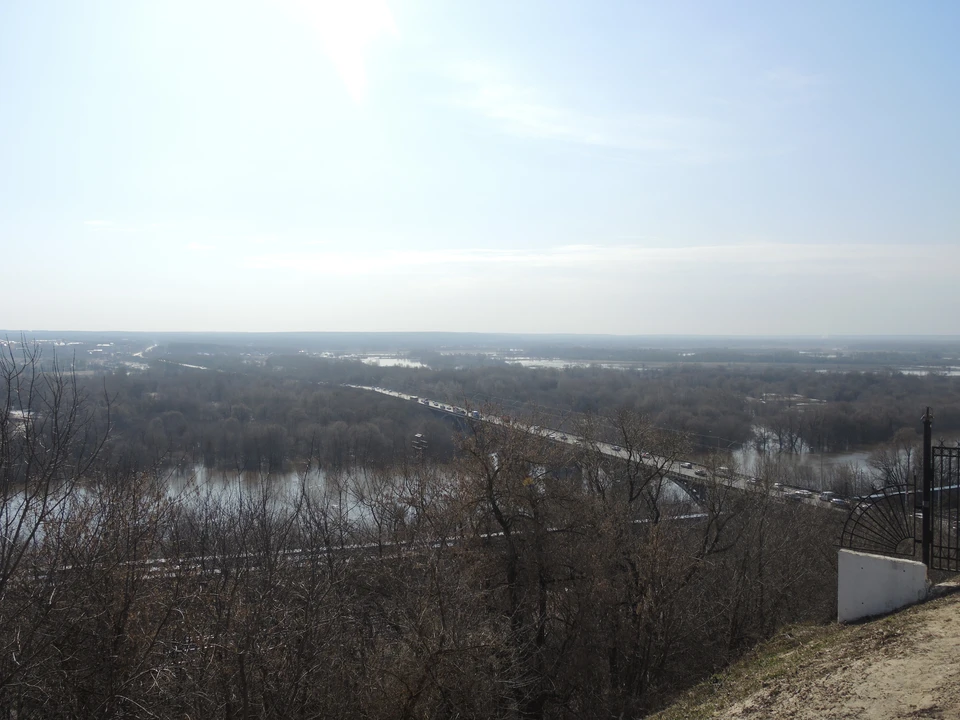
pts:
pixel 694 479
pixel 689 475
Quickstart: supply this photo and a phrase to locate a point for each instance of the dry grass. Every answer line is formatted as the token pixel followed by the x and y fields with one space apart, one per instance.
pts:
pixel 799 655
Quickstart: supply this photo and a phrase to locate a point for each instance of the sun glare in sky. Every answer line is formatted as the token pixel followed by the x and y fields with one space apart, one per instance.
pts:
pixel 630 167
pixel 347 31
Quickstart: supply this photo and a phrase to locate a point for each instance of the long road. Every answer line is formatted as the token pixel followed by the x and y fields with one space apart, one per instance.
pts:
pixel 686 471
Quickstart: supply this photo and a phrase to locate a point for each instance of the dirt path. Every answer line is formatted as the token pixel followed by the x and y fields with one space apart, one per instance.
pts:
pixel 905 666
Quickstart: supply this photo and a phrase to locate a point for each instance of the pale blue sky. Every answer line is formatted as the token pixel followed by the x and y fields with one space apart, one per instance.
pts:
pixel 631 167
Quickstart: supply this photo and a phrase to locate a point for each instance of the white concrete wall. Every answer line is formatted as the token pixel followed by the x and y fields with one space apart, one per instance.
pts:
pixel 873 584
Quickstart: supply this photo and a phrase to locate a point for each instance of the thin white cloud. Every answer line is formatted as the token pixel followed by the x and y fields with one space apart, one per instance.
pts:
pixel 200 247
pixel 524 112
pixel 115 227
pixel 745 288
pixel 373 263
pixel 788 87
pixel 753 259
pixel 793 79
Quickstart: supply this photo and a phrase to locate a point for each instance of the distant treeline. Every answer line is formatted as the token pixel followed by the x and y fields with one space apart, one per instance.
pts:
pixel 261 420
pixel 860 357
pixel 829 411
pixel 265 416
pixel 718 405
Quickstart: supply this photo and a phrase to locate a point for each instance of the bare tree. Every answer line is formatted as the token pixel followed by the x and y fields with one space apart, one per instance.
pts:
pixel 896 462
pixel 51 436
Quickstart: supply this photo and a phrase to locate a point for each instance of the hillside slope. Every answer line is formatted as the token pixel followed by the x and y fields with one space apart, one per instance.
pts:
pixel 905 665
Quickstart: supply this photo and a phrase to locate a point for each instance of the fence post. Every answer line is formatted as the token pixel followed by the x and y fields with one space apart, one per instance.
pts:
pixel 926 516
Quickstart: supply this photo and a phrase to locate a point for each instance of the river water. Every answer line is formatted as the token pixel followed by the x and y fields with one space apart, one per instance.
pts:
pixel 347 492
pixel 748 458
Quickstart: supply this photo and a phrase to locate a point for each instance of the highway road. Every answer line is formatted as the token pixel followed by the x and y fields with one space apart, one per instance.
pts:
pixel 688 471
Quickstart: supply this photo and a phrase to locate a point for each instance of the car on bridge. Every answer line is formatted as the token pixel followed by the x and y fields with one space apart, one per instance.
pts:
pixel 700 472
pixel 686 465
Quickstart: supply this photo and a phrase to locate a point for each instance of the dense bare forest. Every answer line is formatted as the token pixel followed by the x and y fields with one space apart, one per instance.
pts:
pixel 517 579
pixel 271 416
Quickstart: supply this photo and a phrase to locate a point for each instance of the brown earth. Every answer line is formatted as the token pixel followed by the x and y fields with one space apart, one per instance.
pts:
pixel 906 665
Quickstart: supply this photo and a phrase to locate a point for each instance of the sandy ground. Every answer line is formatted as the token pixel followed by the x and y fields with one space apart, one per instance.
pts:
pixel 903 669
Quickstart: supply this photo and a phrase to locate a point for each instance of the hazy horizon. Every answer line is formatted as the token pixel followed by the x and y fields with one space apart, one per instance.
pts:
pixel 626 168
pixel 13 333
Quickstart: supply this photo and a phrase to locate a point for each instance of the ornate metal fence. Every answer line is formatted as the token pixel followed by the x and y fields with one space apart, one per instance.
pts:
pixel 943 550
pixel 899 520
pixel 883 523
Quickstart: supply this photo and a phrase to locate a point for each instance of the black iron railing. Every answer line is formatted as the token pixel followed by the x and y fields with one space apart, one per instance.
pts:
pixel 941 536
